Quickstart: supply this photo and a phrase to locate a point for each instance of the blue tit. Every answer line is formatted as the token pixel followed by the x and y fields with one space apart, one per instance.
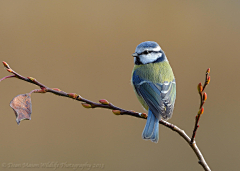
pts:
pixel 154 85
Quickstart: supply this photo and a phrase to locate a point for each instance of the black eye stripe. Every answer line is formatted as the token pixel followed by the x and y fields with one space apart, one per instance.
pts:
pixel 159 59
pixel 145 52
pixel 148 51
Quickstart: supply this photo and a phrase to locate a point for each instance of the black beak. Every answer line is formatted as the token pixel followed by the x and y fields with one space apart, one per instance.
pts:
pixel 135 54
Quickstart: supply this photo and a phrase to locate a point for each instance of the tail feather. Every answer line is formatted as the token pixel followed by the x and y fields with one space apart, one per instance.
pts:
pixel 151 130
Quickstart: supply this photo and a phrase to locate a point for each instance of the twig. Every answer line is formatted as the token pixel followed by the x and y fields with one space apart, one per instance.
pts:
pixel 10 76
pixel 116 110
pixel 203 98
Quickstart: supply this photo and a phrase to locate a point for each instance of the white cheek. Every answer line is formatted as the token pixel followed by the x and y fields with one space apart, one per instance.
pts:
pixel 150 58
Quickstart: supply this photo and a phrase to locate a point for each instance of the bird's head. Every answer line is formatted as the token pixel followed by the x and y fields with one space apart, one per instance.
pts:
pixel 148 52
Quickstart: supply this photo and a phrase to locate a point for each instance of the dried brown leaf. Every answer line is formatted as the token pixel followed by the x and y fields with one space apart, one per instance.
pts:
pixel 22 106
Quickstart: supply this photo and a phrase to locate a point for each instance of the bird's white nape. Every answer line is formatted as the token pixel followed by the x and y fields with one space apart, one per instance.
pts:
pixel 158 48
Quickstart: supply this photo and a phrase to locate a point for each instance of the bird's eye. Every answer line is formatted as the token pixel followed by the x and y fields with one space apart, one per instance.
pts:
pixel 145 52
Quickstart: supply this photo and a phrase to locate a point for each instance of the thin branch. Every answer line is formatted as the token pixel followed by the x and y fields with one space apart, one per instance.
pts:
pixel 10 76
pixel 203 98
pixel 116 110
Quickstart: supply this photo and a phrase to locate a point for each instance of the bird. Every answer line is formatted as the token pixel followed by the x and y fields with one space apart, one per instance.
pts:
pixel 154 84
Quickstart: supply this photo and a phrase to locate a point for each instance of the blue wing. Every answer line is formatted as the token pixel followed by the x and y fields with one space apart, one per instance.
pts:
pixel 160 97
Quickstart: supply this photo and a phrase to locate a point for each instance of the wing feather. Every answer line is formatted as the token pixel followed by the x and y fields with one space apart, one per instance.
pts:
pixel 160 97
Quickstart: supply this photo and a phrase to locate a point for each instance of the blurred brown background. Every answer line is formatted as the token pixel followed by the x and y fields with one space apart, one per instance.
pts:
pixel 85 47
